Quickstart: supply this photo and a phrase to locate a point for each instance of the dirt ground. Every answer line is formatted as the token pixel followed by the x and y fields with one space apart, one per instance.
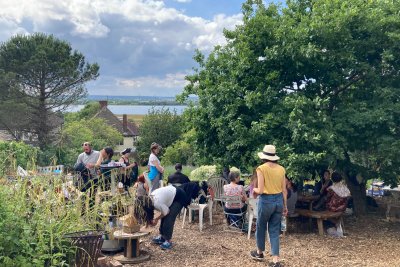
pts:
pixel 369 241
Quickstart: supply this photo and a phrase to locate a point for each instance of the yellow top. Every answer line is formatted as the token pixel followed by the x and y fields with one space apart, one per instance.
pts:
pixel 273 178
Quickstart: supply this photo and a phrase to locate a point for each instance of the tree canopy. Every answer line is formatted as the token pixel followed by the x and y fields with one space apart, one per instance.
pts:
pixel 318 79
pixel 45 75
pixel 161 126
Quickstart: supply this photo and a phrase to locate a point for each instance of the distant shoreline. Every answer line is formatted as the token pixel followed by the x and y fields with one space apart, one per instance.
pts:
pixel 137 100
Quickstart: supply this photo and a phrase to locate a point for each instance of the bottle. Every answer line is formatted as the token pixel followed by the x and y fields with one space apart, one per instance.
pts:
pixel 283 224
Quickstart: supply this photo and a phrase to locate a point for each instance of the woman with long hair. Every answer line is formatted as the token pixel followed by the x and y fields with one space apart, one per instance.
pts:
pixel 105 157
pixel 128 180
pixel 271 191
pixel 156 170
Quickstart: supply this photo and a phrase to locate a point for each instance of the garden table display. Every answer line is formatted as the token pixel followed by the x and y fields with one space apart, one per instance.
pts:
pixel 132 252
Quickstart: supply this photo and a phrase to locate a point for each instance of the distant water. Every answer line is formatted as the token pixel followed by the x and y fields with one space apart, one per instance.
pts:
pixel 132 109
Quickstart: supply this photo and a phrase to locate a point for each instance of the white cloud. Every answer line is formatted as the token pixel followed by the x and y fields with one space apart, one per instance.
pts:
pixel 128 38
pixel 171 80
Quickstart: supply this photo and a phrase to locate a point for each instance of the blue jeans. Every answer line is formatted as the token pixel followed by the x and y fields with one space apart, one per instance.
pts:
pixel 269 215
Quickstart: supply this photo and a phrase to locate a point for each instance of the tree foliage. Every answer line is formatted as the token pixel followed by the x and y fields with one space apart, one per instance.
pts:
pixel 44 74
pixel 181 151
pixel 161 126
pixel 319 79
pixel 81 127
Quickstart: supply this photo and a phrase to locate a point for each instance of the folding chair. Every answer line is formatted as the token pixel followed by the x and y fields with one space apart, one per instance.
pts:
pixel 234 221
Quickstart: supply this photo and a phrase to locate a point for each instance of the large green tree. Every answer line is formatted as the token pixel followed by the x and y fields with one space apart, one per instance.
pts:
pixel 162 126
pixel 45 75
pixel 319 79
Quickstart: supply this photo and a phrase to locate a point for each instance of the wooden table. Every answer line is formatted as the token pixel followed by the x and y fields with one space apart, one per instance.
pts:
pixel 320 216
pixel 132 253
pixel 307 199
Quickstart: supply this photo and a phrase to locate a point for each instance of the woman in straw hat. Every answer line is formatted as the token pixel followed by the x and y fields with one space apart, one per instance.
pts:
pixel 271 189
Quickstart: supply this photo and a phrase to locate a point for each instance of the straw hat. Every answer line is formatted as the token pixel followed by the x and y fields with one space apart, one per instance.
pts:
pixel 269 153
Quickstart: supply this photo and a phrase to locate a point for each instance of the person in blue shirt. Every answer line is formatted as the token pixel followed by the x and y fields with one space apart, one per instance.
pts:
pixel 155 168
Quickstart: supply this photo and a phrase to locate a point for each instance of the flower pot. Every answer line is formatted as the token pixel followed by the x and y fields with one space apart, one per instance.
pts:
pixel 88 245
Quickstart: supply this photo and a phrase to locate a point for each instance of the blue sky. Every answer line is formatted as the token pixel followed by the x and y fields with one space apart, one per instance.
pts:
pixel 143 47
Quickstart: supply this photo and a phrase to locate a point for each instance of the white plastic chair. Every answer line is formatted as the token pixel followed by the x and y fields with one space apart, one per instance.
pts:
pixel 217 185
pixel 252 212
pixel 195 205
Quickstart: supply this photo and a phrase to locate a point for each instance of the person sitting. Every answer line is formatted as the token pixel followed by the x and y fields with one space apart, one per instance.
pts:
pixel 337 194
pixel 337 197
pixel 105 157
pixel 291 196
pixel 321 190
pixel 178 178
pixel 234 189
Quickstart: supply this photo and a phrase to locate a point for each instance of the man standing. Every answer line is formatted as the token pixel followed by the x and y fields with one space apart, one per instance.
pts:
pixel 178 177
pixel 87 159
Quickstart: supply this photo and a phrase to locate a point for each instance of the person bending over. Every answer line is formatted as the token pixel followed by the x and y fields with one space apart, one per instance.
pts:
pixel 169 201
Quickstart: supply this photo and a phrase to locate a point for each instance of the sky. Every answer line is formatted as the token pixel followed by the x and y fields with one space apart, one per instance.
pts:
pixel 143 47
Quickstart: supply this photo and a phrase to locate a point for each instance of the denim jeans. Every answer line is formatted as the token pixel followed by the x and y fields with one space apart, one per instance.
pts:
pixel 269 215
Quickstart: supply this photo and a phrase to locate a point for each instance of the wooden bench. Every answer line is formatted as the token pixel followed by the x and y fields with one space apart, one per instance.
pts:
pixel 320 216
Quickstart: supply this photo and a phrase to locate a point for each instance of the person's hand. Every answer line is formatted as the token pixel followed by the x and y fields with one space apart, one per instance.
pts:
pixel 89 165
pixel 155 222
pixel 285 211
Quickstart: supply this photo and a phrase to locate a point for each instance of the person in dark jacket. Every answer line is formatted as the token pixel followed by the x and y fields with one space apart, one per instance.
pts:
pixel 178 178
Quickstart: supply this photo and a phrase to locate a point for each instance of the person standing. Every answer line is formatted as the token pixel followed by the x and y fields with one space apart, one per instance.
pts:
pixel 178 178
pixel 271 188
pixel 127 180
pixel 156 170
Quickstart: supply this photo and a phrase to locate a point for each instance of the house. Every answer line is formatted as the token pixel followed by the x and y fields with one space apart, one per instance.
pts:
pixel 28 136
pixel 129 130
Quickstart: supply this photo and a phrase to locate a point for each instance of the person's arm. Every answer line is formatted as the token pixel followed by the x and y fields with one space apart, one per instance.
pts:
pixel 99 160
pixel 260 183
pixel 164 210
pixel 78 160
pixel 158 166
pixel 244 196
pixel 325 186
pixel 284 192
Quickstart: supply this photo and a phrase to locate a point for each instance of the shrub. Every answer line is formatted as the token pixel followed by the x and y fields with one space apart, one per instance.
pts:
pixel 203 173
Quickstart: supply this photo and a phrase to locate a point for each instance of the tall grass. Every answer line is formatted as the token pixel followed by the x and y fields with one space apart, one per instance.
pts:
pixel 35 216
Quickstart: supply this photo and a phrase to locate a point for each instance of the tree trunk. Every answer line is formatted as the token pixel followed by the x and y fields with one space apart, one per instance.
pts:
pixel 358 193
